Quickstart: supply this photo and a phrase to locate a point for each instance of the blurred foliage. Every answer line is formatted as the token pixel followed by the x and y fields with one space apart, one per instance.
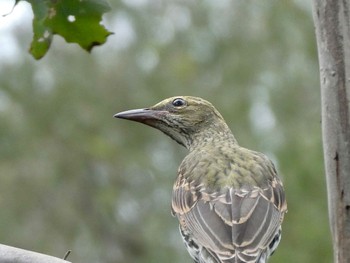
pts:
pixel 72 177
pixel 75 20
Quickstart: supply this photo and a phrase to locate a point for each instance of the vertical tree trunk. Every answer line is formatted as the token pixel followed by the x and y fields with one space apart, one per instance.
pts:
pixel 332 23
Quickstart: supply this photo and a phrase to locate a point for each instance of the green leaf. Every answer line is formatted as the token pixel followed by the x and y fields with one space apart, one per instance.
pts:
pixel 79 21
pixel 42 34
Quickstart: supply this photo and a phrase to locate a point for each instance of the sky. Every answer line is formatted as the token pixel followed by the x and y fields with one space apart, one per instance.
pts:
pixel 10 20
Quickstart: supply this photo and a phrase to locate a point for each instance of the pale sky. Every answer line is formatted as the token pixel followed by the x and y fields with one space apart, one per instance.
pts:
pixel 10 20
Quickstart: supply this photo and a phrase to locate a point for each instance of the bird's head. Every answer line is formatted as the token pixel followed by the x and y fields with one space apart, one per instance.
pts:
pixel 182 118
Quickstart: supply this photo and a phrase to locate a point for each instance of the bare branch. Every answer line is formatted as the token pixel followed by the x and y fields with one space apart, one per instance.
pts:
pixel 17 255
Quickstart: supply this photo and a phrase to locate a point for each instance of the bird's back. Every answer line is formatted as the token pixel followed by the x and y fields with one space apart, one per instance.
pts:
pixel 230 204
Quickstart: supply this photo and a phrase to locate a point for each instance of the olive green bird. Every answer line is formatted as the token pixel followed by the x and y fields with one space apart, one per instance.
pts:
pixel 229 200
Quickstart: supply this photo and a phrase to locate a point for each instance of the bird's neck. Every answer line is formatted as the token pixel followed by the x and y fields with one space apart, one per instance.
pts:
pixel 212 136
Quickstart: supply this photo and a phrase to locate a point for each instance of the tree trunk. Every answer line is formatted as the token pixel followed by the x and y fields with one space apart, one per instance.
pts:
pixel 332 23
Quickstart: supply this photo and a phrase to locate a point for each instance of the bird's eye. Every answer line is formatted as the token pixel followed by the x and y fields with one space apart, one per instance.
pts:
pixel 179 102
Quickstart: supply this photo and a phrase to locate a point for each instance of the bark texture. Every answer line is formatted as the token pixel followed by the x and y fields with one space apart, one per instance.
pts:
pixel 332 24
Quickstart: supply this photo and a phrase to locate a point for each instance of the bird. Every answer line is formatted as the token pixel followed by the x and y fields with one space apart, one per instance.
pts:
pixel 229 200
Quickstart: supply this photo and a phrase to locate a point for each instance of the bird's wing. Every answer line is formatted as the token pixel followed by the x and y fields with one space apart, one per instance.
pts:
pixel 233 222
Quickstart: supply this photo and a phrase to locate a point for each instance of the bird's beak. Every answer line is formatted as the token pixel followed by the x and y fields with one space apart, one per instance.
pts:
pixel 140 115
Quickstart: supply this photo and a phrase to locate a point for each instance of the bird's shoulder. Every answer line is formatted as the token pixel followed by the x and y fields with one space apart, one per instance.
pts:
pixel 213 175
pixel 228 167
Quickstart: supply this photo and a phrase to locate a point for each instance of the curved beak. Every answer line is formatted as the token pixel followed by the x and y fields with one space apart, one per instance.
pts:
pixel 140 115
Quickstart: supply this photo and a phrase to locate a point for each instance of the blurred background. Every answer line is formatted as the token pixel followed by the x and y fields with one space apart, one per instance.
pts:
pixel 73 177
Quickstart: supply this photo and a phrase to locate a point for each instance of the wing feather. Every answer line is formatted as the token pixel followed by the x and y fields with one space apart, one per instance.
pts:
pixel 233 222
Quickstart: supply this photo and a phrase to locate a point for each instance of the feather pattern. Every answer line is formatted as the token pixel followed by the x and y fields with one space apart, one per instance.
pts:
pixel 234 224
pixel 229 200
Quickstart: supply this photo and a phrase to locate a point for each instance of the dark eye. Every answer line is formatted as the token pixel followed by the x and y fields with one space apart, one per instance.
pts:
pixel 179 102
